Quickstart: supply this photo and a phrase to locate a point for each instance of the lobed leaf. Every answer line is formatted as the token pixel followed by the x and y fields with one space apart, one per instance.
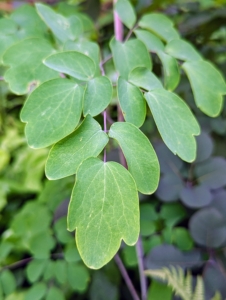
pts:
pixel 88 140
pixel 52 111
pixel 140 156
pixel 72 63
pixel 132 102
pixel 160 24
pixel 151 41
pixel 97 95
pixel 175 122
pixel 25 61
pixel 208 86
pixel 129 55
pixel 104 209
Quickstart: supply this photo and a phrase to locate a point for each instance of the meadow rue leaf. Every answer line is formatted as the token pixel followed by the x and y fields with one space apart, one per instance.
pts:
pixel 72 63
pixel 105 217
pixel 132 102
pixel 88 48
pixel 140 156
pixel 175 122
pixel 210 234
pixel 151 41
pixel 126 12
pixel 78 277
pixel 8 35
pixel 35 269
pixel 7 282
pixel 129 55
pixel 170 69
pixel 36 292
pixel 204 147
pixel 196 197
pixel 55 293
pixel 211 173
pixel 160 25
pixel 52 111
pixel 25 61
pixel 144 78
pixel 207 85
pixel 61 271
pixel 97 95
pixel 183 50
pixel 88 140
pixel 169 187
pixel 63 28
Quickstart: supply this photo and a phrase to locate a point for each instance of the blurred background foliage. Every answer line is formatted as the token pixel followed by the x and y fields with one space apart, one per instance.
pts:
pixel 182 224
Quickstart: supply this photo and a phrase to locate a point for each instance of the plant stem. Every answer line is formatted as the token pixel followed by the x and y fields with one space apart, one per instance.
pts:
pixel 126 277
pixel 105 130
pixel 143 279
pixel 118 27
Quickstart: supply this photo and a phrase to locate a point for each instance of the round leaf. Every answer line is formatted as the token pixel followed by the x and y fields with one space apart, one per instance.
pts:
pixel 104 209
pixel 204 147
pixel 36 292
pixel 196 196
pixel 140 156
pixel 52 111
pixel 144 78
pixel 126 12
pixel 151 41
pixel 78 277
pixel 183 50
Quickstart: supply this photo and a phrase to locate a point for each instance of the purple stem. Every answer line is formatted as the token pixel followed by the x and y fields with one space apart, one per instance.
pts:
pixel 143 279
pixel 105 130
pixel 126 277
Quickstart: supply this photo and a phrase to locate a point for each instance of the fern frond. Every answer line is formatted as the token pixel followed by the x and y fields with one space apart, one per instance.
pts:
pixel 180 284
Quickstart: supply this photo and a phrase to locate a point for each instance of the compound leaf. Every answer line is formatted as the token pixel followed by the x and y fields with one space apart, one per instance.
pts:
pixel 72 63
pixel 175 122
pixel 208 86
pixel 129 55
pixel 66 156
pixel 140 156
pixel 170 69
pixel 145 79
pixel 183 50
pixel 97 95
pixel 52 111
pixel 160 25
pixel 132 102
pixel 104 209
pixel 25 59
pixel 63 28
pixel 126 12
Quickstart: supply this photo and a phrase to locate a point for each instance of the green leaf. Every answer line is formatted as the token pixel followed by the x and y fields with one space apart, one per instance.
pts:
pixel 102 287
pixel 88 48
pixel 8 34
pixel 63 28
pixel 26 67
pixel 41 244
pixel 72 63
pixel 183 50
pixel 145 79
pixel 159 291
pixel 49 272
pixel 208 86
pixel 151 41
pixel 129 256
pixel 129 55
pixel 132 102
pixel 175 123
pixel 35 269
pixel 97 96
pixel 62 234
pixel 105 217
pixel 126 13
pixel 78 277
pixel 161 25
pixel 182 238
pixel 71 253
pixel 170 69
pixel 7 281
pixel 172 213
pixel 36 292
pixel 66 156
pixel 29 24
pixel 140 156
pixel 61 271
pixel 52 111
pixel 55 294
